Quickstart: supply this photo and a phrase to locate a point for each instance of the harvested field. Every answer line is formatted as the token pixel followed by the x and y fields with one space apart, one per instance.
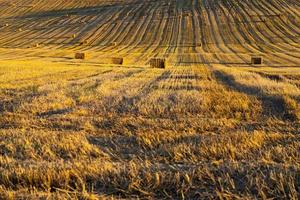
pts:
pixel 81 56
pixel 213 124
pixel 256 60
pixel 157 63
pixel 117 61
pixel 184 32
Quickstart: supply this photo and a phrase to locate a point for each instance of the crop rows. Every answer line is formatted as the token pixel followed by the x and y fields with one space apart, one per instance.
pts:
pixel 187 32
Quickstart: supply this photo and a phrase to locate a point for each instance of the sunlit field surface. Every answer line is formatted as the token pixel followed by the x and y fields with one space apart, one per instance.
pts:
pixel 209 126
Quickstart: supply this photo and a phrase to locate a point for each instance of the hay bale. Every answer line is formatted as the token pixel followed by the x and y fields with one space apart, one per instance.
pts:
pixel 117 61
pixel 256 60
pixel 158 63
pixel 185 14
pixel 83 42
pixel 81 56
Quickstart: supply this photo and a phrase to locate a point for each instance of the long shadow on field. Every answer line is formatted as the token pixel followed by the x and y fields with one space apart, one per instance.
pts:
pixel 11 101
pixel 120 147
pixel 127 104
pixel 15 98
pixel 63 12
pixel 90 10
pixel 273 106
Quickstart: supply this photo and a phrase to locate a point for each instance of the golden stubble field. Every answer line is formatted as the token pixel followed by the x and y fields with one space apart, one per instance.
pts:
pixel 209 126
pixel 187 132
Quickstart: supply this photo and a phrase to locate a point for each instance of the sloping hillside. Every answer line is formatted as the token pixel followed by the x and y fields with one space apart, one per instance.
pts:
pixel 184 31
pixel 208 126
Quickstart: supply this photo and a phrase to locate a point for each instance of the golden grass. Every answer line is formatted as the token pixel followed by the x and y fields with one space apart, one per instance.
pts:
pixel 102 132
pixel 93 129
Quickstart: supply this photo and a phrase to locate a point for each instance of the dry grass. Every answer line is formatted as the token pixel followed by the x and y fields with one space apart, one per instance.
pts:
pixel 93 129
pixel 181 133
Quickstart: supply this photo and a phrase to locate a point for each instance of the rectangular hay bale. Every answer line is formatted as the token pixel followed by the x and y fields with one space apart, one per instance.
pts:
pixel 117 61
pixel 81 56
pixel 83 42
pixel 158 63
pixel 256 60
